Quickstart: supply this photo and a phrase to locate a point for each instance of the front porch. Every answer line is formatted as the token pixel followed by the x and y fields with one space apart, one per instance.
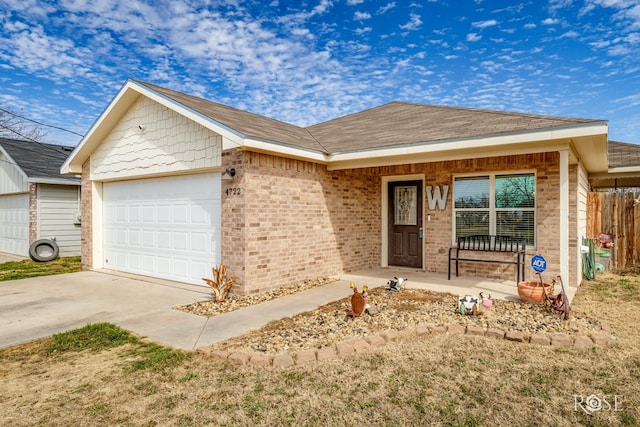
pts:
pixel 418 279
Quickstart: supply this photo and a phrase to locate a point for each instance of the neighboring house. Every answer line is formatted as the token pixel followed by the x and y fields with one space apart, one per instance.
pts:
pixel 624 168
pixel 389 186
pixel 36 200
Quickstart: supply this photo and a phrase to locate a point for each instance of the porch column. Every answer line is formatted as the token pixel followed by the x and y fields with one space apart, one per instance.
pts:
pixel 564 217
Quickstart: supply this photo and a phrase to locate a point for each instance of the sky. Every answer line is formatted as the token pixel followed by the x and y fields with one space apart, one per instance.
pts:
pixel 308 61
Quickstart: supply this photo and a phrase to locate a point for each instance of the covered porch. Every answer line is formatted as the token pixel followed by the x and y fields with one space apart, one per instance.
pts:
pixel 418 279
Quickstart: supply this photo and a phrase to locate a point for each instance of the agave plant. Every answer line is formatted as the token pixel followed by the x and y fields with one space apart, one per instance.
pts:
pixel 221 283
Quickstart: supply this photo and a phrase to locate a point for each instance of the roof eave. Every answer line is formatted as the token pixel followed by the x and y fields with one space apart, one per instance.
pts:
pixel 482 146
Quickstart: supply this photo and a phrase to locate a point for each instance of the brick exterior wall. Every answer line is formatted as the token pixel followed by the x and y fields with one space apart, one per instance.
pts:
pixel 293 220
pixel 86 224
pixel 33 212
pixel 286 220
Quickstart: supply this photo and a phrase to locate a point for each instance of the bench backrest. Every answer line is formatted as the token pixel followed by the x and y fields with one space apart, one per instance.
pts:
pixel 492 243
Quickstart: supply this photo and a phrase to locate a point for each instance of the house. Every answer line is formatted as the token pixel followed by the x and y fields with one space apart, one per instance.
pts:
pixel 173 184
pixel 36 200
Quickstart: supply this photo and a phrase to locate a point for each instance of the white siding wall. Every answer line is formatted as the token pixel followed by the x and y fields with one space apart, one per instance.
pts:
pixel 169 143
pixel 583 190
pixel 58 207
pixel 12 180
pixel 14 224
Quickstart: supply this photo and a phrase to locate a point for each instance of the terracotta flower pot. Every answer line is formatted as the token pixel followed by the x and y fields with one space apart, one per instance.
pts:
pixel 532 291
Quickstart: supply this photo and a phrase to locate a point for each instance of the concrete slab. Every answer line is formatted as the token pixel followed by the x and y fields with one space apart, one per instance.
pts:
pixel 40 307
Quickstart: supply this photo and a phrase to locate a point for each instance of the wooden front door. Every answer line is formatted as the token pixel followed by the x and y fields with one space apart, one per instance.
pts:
pixel 405 223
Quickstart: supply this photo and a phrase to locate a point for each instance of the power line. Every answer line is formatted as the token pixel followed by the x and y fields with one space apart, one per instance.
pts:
pixel 42 144
pixel 40 123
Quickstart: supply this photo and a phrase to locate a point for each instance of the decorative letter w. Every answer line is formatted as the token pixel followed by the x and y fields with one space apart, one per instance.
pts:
pixel 437 196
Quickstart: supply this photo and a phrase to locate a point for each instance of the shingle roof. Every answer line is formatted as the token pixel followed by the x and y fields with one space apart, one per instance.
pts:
pixel 401 123
pixel 392 124
pixel 38 160
pixel 623 154
pixel 249 124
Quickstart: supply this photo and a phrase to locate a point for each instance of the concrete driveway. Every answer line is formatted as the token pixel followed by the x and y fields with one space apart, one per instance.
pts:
pixel 40 307
pixel 43 306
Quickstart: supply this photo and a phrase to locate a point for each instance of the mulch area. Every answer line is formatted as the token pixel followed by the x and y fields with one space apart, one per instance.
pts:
pixel 328 325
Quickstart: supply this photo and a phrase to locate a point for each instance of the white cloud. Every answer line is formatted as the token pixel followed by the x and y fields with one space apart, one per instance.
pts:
pixel 570 34
pixel 530 26
pixel 484 24
pixel 550 21
pixel 387 7
pixel 354 2
pixel 361 16
pixel 414 22
pixel 473 37
pixel 364 30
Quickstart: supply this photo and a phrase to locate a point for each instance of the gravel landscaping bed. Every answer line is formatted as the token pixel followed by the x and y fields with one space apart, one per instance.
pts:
pixel 328 325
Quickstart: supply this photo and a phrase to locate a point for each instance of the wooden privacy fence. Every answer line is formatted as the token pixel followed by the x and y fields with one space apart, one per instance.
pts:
pixel 616 213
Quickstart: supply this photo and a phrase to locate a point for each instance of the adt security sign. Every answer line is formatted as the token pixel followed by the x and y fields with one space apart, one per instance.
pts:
pixel 538 263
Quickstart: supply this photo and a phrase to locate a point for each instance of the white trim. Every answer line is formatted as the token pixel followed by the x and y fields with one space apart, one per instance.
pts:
pixel 564 216
pixel 492 194
pixel 384 261
pixel 285 150
pixel 55 181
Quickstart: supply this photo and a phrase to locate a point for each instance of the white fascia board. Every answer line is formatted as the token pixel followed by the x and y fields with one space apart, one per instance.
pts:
pixel 60 181
pixel 285 150
pixel 437 155
pixel 620 172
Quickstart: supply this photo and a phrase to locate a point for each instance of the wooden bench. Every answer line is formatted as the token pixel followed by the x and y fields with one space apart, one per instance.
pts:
pixel 487 243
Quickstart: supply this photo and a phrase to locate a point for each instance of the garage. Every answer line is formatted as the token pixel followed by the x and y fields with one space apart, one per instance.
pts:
pixel 165 227
pixel 14 224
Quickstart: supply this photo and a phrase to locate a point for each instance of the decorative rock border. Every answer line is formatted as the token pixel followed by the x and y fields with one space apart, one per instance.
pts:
pixel 303 357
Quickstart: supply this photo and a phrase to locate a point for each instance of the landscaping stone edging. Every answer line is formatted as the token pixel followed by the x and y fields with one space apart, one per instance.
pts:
pixel 303 357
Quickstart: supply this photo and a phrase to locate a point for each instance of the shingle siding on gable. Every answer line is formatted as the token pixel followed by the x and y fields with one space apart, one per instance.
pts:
pixel 169 143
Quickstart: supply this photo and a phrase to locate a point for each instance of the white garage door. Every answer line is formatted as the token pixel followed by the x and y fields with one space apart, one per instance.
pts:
pixel 163 227
pixel 14 224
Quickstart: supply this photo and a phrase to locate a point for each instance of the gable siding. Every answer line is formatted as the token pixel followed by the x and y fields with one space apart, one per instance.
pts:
pixel 169 143
pixel 58 207
pixel 11 179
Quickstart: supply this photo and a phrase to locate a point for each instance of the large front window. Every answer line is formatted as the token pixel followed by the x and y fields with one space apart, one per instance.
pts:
pixel 502 205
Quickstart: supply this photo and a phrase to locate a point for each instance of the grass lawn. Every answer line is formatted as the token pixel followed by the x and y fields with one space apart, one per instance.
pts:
pixel 27 268
pixel 102 375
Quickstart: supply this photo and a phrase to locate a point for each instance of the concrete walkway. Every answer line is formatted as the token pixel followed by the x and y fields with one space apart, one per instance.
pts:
pixel 40 307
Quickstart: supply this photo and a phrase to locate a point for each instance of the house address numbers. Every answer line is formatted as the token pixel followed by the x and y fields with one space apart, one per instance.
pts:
pixel 233 191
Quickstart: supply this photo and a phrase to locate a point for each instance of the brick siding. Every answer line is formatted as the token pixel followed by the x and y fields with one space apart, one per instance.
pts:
pixel 294 220
pixel 86 209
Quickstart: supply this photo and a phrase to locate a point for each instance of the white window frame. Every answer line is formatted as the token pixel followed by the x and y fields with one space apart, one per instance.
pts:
pixel 492 198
